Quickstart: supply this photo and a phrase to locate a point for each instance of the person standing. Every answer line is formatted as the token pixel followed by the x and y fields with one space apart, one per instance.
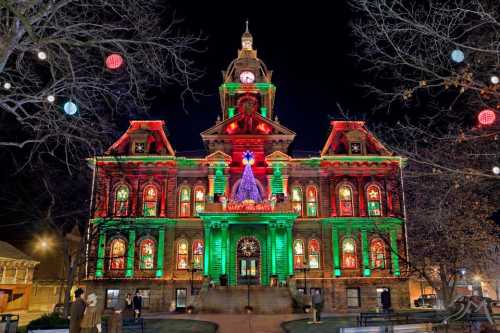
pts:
pixel 137 303
pixel 116 319
pixel 76 311
pixel 129 307
pixel 317 301
pixel 385 299
pixel 91 321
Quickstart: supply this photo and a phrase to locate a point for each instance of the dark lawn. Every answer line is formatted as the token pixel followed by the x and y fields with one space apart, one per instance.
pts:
pixel 175 326
pixel 330 325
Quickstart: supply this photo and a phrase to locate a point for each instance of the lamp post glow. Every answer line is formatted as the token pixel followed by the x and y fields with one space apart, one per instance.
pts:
pixel 70 108
pixel 457 56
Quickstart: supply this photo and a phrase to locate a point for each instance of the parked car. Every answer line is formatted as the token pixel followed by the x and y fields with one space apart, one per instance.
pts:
pixel 426 301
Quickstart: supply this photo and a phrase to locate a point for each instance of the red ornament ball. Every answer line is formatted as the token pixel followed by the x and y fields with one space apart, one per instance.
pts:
pixel 114 61
pixel 486 117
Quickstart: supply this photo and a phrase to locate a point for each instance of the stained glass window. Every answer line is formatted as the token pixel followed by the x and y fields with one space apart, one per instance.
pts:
pixel 298 253
pixel 185 201
pixel 117 254
pixel 345 201
pixel 121 200
pixel 150 200
pixel 182 254
pixel 198 254
pixel 349 259
pixel 374 202
pixel 199 199
pixel 147 253
pixel 377 251
pixel 312 201
pixel 314 251
pixel 297 200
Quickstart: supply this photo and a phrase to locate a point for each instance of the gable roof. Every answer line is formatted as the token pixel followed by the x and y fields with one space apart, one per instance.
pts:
pixel 275 128
pixel 342 129
pixel 155 131
pixel 8 251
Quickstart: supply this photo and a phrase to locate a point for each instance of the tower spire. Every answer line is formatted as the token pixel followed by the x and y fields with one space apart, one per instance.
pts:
pixel 246 39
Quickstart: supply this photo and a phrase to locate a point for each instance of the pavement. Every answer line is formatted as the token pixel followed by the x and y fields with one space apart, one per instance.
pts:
pixel 26 316
pixel 239 323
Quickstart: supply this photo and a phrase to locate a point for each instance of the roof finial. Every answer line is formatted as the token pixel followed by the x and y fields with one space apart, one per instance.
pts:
pixel 246 22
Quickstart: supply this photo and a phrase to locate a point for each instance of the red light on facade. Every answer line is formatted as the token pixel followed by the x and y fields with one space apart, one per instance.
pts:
pixel 231 128
pixel 486 117
pixel 264 128
pixel 114 61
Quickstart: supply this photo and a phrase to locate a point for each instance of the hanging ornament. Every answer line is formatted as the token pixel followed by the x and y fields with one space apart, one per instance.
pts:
pixel 51 98
pixel 7 85
pixel 70 108
pixel 486 117
pixel 114 61
pixel 494 79
pixel 496 170
pixel 457 56
pixel 42 55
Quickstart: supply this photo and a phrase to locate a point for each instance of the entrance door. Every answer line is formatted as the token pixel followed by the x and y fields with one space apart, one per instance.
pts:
pixel 248 256
pixel 380 290
pixel 180 298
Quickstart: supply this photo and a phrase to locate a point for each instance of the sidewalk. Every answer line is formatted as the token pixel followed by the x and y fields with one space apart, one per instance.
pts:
pixel 239 323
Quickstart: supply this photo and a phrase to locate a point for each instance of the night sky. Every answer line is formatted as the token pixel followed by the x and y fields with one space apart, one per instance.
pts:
pixel 307 47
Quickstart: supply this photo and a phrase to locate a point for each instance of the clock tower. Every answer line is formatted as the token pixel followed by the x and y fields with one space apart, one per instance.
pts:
pixel 247 83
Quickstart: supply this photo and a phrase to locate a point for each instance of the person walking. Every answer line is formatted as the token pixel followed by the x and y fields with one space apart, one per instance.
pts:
pixel 385 299
pixel 116 319
pixel 137 304
pixel 76 311
pixel 317 301
pixel 91 321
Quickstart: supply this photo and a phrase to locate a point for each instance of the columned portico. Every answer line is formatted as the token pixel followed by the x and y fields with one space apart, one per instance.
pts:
pixel 228 234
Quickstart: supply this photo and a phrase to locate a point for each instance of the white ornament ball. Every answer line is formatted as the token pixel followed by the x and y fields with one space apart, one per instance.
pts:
pixel 494 79
pixel 51 98
pixel 496 170
pixel 7 85
pixel 70 108
pixel 42 55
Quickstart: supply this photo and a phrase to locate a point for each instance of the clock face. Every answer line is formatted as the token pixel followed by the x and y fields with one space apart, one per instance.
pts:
pixel 247 77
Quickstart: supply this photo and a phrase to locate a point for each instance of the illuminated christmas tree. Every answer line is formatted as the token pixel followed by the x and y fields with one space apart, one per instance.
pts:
pixel 248 190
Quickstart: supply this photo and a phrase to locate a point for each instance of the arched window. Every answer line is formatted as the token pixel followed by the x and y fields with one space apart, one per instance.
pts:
pixel 182 254
pixel 198 254
pixel 147 253
pixel 199 199
pixel 377 251
pixel 298 253
pixel 312 201
pixel 117 254
pixel 374 200
pixel 345 201
pixel 185 202
pixel 349 259
pixel 314 251
pixel 297 200
pixel 150 201
pixel 121 200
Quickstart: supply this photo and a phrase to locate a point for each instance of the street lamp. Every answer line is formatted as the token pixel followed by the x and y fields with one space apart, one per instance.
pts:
pixel 192 270
pixel 305 268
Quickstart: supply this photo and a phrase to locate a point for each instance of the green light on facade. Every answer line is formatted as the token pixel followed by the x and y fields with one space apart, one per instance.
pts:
pixel 219 180
pixel 131 254
pixel 263 111
pixel 366 272
pixel 161 248
pixel 100 254
pixel 277 179
pixel 231 111
pixel 337 272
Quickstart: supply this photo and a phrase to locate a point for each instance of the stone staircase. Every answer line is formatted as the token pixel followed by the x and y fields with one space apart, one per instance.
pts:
pixel 234 300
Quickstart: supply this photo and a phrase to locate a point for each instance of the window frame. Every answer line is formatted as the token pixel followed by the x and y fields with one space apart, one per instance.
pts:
pixel 295 255
pixel 141 241
pixel 194 254
pixel 318 254
pixel 112 241
pixel 196 201
pixel 341 200
pixel 372 254
pixel 301 201
pixel 116 201
pixel 314 202
pixel 178 255
pixel 379 201
pixel 144 201
pixel 358 297
pixel 114 299
pixel 186 202
pixel 354 253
